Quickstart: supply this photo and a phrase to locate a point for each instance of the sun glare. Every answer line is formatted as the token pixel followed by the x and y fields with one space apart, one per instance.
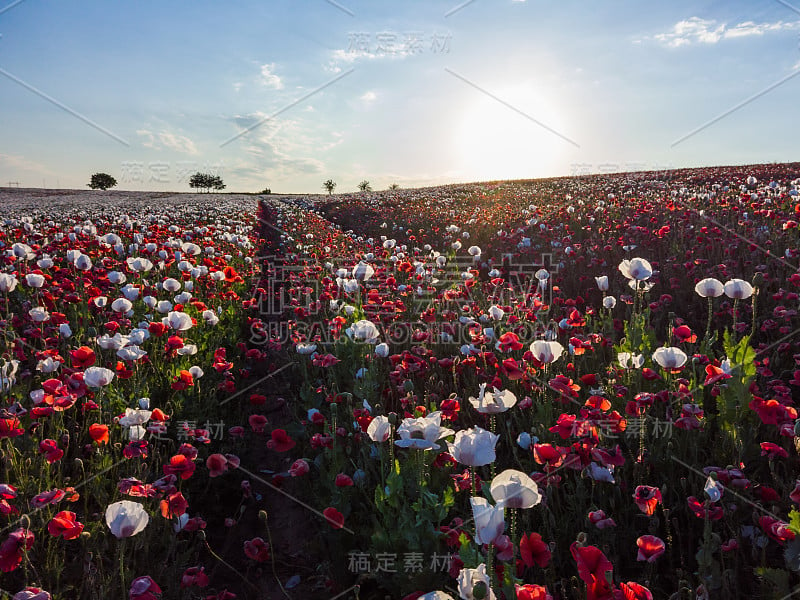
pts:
pixel 494 141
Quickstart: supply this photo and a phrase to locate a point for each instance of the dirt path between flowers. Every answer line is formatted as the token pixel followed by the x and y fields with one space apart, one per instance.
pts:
pixel 289 524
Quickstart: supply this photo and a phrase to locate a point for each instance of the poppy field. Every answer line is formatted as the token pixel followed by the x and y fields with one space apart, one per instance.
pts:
pixel 545 389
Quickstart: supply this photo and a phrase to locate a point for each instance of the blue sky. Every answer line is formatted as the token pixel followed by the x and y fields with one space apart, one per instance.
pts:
pixel 414 92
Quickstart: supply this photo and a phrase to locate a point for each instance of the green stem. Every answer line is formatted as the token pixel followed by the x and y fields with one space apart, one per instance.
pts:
pixel 472 480
pixel 272 555
pixel 121 559
pixel 710 314
pixel 224 562
pixel 490 565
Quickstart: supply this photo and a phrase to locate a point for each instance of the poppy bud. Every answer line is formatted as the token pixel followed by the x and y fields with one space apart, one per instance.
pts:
pixel 758 279
pixel 262 516
pixel 85 535
pixel 797 428
pixel 201 534
pixel 408 385
pixel 25 522
pixel 479 591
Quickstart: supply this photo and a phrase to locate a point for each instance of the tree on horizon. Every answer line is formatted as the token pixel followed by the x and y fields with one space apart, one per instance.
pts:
pixel 102 181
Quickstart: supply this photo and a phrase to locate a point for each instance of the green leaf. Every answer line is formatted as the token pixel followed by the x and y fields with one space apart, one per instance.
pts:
pixel 794 521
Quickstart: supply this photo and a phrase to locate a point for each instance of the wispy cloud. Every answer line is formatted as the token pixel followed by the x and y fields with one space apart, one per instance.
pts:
pixel 15 161
pixel 280 149
pixel 695 30
pixel 269 78
pixel 350 56
pixel 368 97
pixel 165 139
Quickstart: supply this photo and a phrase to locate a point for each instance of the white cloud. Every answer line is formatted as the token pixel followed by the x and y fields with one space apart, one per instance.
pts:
pixel 695 30
pixel 165 139
pixel 15 161
pixel 368 97
pixel 277 149
pixel 179 143
pixel 237 86
pixel 350 56
pixel 269 78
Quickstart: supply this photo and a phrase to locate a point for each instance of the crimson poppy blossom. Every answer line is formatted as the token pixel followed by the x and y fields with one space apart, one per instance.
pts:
pixel 180 465
pixel 594 569
pixel 634 591
pixel 257 423
pixel 531 591
pixel 51 450
pixel 334 518
pixel 83 357
pixel 650 548
pixel 647 498
pixel 65 524
pixel 173 506
pixel 217 464
pixel 99 433
pixel 534 551
pixel 280 441
pixel 13 547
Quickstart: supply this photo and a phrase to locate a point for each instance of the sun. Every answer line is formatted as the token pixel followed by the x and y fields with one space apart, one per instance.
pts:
pixel 524 138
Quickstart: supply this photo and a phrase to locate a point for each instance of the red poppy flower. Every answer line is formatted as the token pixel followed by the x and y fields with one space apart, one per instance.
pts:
pixel 49 497
pixel 647 498
pixel 257 399
pixel 10 428
pixel 635 591
pixel 594 569
pixel 702 510
pixel 99 433
pixel 194 576
pixel 684 334
pixel 51 450
pixel 82 357
pixel 343 480
pixel 183 381
pixel 280 442
pixel 11 550
pixel 509 341
pixel 776 529
pixel 217 464
pixel 334 517
pixel 533 550
pixel 650 548
pixel 159 415
pixel 173 506
pixel 715 374
pixel 511 369
pixel 773 450
pixel 157 328
pixel 180 465
pixel 135 449
pixel 257 423
pixel 547 453
pixel 257 549
pixel 65 524
pixel 532 591
pixel 564 387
